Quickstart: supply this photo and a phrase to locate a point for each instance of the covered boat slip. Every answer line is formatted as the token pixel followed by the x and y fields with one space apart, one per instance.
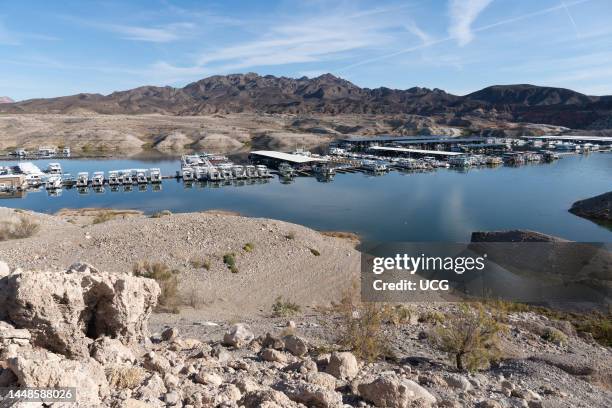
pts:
pixel 274 157
pixel 416 152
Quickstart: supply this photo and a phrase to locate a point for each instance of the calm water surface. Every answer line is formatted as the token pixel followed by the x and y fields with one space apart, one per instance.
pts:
pixel 444 205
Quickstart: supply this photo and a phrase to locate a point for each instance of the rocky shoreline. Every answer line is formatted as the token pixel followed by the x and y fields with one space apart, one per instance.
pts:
pixel 597 209
pixel 80 326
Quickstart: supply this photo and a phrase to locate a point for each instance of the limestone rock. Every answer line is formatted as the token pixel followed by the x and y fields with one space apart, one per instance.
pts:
pixel 108 351
pixel 342 365
pixel 324 380
pixel 169 334
pixel 238 335
pixel 390 391
pixel 266 398
pixel 295 345
pixel 65 312
pixel 458 381
pixel 274 356
pixel 312 395
pixel 86 375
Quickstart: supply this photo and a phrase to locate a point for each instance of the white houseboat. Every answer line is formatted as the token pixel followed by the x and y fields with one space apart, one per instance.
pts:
pixel 82 179
pixel 98 179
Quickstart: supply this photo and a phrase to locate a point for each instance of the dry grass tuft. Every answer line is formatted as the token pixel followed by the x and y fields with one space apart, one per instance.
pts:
pixel 24 228
pixel 124 377
pixel 284 308
pixel 167 279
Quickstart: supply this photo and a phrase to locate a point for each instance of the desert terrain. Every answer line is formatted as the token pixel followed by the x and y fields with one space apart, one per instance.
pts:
pixel 77 304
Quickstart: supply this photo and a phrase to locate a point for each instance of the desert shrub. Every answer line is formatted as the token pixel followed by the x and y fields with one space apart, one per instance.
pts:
pixel 124 377
pixel 166 278
pixel 23 228
pixel 229 259
pixel 104 216
pixel 284 308
pixel 290 235
pixel 248 247
pixel 432 316
pixel 314 252
pixel 361 326
pixel 398 315
pixel 160 214
pixel 199 263
pixel 193 297
pixel 471 337
pixel 553 335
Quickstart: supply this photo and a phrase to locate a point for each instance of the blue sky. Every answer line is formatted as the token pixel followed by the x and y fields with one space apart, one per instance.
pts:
pixel 58 48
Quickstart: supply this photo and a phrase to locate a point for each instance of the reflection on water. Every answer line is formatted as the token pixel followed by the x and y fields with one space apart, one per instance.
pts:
pixel 443 205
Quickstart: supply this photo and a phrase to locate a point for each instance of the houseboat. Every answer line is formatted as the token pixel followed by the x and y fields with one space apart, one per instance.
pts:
pixel 188 174
pixel 127 177
pixel 286 170
pixel 238 171
pixel 460 161
pixel 141 176
pixel 323 170
pixel 54 168
pixel 113 178
pixel 98 179
pixel 375 166
pixel 82 179
pixel 262 171
pixel 213 174
pixel 53 182
pixel 155 175
pixel 251 171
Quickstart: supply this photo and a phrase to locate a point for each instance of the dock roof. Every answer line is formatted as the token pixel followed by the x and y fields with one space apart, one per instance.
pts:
pixel 417 151
pixel 288 157
pixel 584 138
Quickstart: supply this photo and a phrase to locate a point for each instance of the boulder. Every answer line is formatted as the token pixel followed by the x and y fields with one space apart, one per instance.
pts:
pixel 295 345
pixel 266 398
pixel 238 335
pixel 66 311
pixel 324 380
pixel 54 370
pixel 458 381
pixel 312 395
pixel 205 377
pixel 273 342
pixel 390 391
pixel 342 365
pixel 273 356
pixel 169 334
pixel 111 351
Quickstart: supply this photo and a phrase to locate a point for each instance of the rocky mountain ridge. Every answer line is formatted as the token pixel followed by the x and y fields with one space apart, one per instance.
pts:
pixel 328 94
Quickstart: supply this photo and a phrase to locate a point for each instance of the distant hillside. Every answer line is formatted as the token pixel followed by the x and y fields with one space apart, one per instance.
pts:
pixel 332 95
pixel 6 99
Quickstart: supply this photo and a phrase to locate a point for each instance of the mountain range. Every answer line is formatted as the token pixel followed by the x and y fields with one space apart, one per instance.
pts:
pixel 328 94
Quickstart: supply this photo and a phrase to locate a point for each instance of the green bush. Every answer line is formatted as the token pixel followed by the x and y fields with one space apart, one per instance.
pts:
pixel 471 337
pixel 284 308
pixel 248 247
pixel 555 336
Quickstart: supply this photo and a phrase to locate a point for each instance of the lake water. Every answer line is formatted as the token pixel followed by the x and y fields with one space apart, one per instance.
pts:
pixel 444 205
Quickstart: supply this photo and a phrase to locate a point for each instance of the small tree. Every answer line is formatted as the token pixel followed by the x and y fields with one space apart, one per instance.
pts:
pixel 471 337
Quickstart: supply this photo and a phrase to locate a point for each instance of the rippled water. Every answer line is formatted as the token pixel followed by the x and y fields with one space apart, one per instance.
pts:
pixel 444 205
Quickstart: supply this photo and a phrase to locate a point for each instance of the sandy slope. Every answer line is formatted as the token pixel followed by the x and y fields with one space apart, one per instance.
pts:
pixel 277 266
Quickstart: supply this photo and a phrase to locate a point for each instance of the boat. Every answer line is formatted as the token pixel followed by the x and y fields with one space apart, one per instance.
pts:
pixel 213 174
pixel 53 182
pixel 286 170
pixel 66 151
pixel 460 161
pixel 97 180
pixel 188 173
pixel 82 179
pixel 324 170
pixel 54 168
pixel 238 172
pixel 549 156
pixel 494 161
pixel 113 178
pixel 262 171
pixel 251 171
pixel 155 175
pixel 226 171
pixel 141 176
pixel 127 177
pixel 374 166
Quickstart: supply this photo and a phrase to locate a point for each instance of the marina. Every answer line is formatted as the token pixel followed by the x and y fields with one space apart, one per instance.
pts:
pixel 417 204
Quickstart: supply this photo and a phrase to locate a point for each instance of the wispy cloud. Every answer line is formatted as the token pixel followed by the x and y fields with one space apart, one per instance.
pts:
pixel 162 34
pixel 412 27
pixel 463 13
